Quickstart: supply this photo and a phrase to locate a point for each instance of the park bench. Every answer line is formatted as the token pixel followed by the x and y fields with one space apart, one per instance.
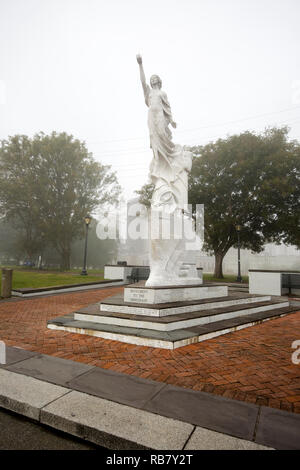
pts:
pixel 139 274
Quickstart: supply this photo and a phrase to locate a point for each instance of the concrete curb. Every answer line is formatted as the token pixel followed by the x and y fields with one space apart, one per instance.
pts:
pixel 122 411
pixel 42 291
pixel 103 422
pixel 25 395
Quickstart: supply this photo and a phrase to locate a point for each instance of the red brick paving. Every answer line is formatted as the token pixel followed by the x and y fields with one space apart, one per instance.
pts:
pixel 253 364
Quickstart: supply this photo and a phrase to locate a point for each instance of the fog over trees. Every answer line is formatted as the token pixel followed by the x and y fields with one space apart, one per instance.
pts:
pixel 48 184
pixel 248 179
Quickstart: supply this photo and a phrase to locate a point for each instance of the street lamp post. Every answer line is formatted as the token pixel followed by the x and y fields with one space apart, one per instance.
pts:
pixel 87 221
pixel 239 277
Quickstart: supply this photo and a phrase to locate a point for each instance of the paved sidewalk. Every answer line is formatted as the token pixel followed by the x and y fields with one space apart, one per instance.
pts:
pixel 112 409
pixel 252 365
pixel 119 411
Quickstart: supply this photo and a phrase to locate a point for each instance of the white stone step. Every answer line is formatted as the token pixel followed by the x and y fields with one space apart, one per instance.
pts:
pixel 203 319
pixel 164 339
pixel 194 307
pixel 158 295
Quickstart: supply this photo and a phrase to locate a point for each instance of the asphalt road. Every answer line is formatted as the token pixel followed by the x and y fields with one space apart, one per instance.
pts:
pixel 19 433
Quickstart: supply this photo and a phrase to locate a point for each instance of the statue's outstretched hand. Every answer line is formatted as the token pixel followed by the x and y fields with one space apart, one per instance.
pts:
pixel 173 124
pixel 139 59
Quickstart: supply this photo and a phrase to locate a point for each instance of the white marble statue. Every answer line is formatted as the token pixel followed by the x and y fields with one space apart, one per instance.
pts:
pixel 168 172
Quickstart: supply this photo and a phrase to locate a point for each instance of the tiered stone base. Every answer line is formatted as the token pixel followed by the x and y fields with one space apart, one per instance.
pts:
pixel 138 293
pixel 171 317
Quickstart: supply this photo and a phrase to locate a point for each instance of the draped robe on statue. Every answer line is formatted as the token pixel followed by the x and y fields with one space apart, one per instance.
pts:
pixel 169 173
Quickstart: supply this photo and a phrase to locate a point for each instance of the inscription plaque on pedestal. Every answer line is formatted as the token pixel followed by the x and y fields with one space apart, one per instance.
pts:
pixel 143 296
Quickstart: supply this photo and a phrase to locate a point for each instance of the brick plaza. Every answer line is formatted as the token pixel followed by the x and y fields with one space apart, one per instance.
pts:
pixel 252 365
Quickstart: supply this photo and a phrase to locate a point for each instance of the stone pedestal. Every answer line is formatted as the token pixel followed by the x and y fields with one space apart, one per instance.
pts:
pixel 141 294
pixel 174 324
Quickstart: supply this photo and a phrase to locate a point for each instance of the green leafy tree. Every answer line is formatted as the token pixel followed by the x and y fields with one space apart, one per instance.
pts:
pixel 145 194
pixel 9 246
pixel 47 185
pixel 248 180
pixel 99 253
pixel 287 185
pixel 17 201
pixel 244 180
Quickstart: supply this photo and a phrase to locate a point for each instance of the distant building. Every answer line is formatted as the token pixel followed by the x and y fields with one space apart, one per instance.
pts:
pixel 136 252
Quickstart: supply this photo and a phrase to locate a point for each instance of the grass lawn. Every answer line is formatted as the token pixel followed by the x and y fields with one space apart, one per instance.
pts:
pixel 32 278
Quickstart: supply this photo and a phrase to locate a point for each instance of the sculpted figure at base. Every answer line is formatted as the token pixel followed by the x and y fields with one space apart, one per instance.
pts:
pixel 168 172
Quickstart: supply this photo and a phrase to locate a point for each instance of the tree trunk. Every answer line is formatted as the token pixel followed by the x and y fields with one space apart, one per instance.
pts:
pixel 219 265
pixel 65 264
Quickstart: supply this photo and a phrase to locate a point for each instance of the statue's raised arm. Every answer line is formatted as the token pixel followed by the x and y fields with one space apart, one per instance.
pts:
pixel 169 173
pixel 146 87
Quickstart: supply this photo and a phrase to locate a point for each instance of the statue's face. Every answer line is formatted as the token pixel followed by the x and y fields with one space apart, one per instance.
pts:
pixel 155 81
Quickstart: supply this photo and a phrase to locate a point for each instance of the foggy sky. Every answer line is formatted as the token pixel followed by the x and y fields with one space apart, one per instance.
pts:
pixel 69 65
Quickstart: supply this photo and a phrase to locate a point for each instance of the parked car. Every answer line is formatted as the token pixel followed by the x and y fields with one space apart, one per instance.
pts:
pixel 29 263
